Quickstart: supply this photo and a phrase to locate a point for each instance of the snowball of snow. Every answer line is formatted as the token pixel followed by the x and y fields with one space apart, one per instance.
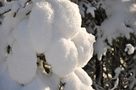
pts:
pixel 83 76
pixel 129 49
pixel 40 23
pixel 22 60
pixel 84 43
pixel 67 19
pixel 62 57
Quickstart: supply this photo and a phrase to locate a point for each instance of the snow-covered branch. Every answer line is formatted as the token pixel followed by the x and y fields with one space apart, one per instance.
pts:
pixel 116 77
pixel 16 7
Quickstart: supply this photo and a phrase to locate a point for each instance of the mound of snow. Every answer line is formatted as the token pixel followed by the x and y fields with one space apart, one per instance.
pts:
pixel 54 29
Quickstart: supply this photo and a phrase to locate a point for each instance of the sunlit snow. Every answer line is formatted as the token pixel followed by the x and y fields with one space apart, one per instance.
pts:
pixel 52 28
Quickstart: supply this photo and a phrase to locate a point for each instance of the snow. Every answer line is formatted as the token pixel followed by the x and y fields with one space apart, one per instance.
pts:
pixel 116 84
pixel 117 73
pixel 89 7
pixel 41 15
pixel 125 0
pixel 5 81
pixel 22 60
pixel 91 10
pixel 8 25
pixel 40 82
pixel 73 82
pixel 129 49
pixel 15 7
pixel 120 13
pixel 64 26
pixel 83 76
pixel 62 56
pixel 100 51
pixel 84 54
pixel 54 29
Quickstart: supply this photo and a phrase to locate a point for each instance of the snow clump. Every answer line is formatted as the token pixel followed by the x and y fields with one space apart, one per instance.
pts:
pixel 53 28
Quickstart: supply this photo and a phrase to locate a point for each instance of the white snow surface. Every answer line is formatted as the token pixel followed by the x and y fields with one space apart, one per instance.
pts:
pixel 41 15
pixel 83 76
pixel 73 82
pixel 64 26
pixel 89 7
pixel 62 56
pixel 54 29
pixel 22 61
pixel 84 43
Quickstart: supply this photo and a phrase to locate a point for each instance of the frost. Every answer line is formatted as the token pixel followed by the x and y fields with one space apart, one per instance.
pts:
pixel 129 49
